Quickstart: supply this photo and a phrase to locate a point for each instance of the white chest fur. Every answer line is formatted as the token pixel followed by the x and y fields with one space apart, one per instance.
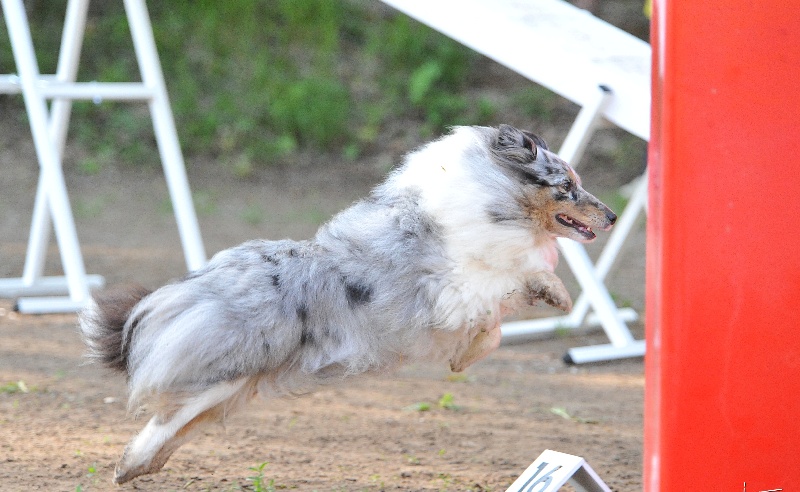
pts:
pixel 490 260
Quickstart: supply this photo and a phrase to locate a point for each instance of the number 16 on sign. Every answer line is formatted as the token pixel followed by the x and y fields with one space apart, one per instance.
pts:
pixel 552 469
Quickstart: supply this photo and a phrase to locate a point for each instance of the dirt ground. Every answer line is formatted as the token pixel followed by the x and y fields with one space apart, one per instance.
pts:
pixel 68 430
pixel 63 423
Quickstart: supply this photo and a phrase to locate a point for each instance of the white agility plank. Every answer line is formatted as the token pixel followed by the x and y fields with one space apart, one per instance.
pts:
pixel 557 45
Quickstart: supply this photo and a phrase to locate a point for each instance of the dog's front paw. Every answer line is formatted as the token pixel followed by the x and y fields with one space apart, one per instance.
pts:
pixel 545 286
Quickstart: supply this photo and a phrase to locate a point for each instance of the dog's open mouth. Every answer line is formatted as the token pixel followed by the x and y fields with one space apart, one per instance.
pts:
pixel 579 226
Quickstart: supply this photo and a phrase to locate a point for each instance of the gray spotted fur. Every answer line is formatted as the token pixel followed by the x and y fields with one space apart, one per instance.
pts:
pixel 361 296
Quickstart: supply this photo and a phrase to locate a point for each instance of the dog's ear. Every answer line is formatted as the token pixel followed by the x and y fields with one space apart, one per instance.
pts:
pixel 536 139
pixel 516 151
pixel 514 145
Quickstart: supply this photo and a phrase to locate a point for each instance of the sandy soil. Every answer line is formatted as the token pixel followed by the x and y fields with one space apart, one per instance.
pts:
pixel 68 429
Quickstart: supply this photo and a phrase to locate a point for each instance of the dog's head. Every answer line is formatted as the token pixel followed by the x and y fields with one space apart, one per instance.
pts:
pixel 551 196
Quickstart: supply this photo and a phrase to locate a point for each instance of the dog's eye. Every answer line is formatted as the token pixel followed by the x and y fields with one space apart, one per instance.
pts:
pixel 566 187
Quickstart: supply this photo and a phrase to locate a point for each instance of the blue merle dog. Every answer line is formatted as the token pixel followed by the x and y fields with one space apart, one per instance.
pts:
pixel 423 269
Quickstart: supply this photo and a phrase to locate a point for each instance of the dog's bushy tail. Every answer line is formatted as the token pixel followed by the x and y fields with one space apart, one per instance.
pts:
pixel 103 325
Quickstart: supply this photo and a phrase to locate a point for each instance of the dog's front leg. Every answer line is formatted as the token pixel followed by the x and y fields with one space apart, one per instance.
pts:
pixel 547 287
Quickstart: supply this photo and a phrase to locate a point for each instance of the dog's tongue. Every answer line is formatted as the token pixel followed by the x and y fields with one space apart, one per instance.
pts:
pixel 587 232
pixel 582 228
pixel 579 226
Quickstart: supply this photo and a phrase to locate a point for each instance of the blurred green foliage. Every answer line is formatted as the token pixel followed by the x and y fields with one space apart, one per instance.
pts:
pixel 253 80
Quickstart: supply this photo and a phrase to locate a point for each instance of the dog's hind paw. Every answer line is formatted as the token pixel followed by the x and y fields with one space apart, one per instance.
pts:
pixel 134 465
pixel 547 287
pixel 122 476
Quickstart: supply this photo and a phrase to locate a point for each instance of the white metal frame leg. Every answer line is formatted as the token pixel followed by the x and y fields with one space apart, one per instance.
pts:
pixel 166 134
pixel 626 221
pixel 48 134
pixel 49 131
pixel 622 343
pixel 591 276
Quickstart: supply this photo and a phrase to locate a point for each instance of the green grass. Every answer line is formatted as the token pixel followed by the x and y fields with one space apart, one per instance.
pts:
pixel 421 406
pixel 205 203
pixel 536 102
pixel 261 78
pixel 91 207
pixel 459 378
pixel 253 214
pixel 447 401
pixel 14 387
pixel 564 414
pixel 258 482
pixel 308 214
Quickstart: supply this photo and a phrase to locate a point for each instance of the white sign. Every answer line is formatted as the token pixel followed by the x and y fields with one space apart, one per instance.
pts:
pixel 552 469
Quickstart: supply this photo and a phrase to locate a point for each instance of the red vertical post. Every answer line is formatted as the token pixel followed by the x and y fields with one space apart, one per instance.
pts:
pixel 723 268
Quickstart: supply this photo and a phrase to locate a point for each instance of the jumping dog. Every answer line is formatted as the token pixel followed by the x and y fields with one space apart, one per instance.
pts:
pixel 423 269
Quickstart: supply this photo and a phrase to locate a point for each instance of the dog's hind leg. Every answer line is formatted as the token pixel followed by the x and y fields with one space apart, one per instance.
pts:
pixel 168 429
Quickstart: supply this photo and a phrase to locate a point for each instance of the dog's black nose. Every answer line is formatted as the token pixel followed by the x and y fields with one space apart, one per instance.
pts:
pixel 611 216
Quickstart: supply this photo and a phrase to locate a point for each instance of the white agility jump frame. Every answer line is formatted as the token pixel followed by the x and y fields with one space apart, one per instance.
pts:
pixel 49 130
pixel 601 68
